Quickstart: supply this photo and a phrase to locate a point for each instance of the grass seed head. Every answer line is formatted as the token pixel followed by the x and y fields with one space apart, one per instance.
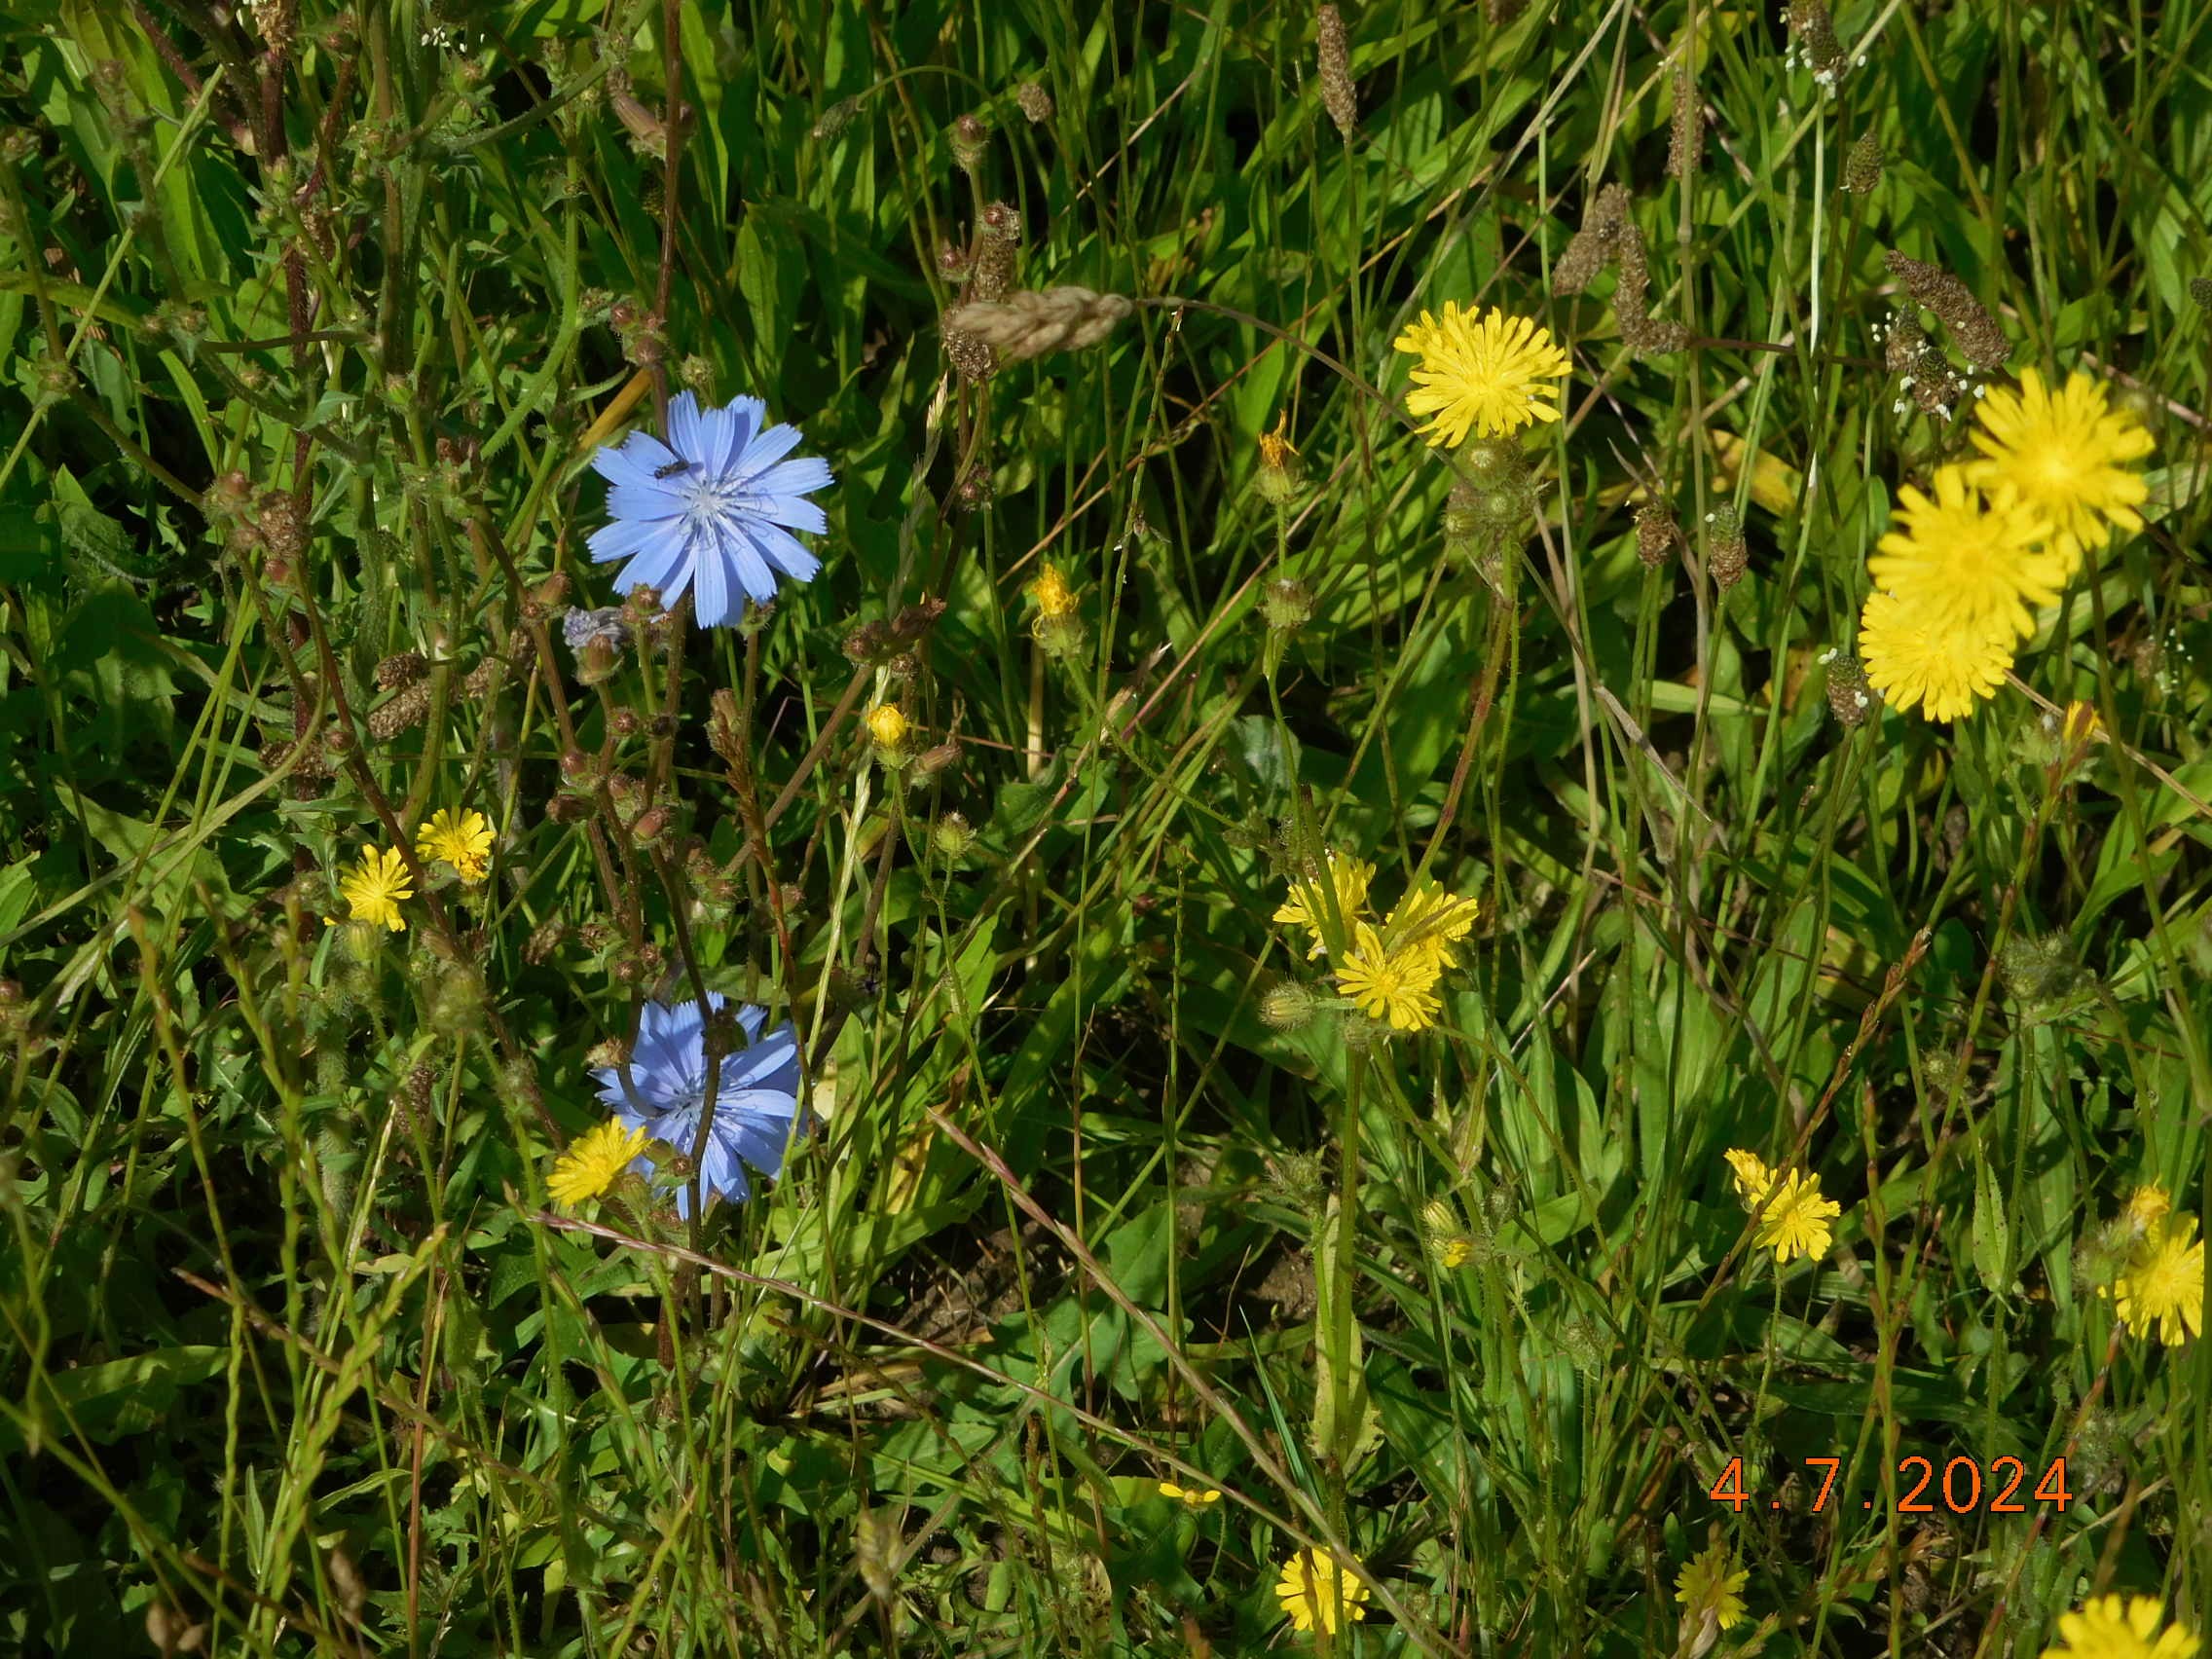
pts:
pixel 1337 95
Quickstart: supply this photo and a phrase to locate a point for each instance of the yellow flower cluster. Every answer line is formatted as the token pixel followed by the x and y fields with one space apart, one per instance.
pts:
pixel 1389 970
pixel 2160 1287
pixel 1794 1220
pixel 1957 581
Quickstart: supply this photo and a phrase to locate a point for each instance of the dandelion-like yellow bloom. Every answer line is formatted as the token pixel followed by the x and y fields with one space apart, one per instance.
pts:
pixel 2162 1285
pixel 1051 594
pixel 1796 1219
pixel 595 1161
pixel 2066 453
pixel 1396 985
pixel 1965 560
pixel 2108 1627
pixel 887 723
pixel 1429 919
pixel 1275 450
pixel 1709 1584
pixel 1316 1588
pixel 372 891
pixel 1306 908
pixel 1753 1179
pixel 1944 668
pixel 2147 1206
pixel 465 842
pixel 1491 375
pixel 1193 1497
pixel 1455 1253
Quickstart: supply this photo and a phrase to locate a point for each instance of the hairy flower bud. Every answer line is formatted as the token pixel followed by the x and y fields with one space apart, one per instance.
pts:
pixel 1287 1007
pixel 952 835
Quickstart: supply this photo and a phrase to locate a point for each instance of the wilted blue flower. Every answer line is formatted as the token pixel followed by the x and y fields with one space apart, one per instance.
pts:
pixel 755 1100
pixel 708 510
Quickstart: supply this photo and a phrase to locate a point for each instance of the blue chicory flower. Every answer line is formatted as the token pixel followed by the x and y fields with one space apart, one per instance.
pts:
pixel 711 509
pixel 756 1103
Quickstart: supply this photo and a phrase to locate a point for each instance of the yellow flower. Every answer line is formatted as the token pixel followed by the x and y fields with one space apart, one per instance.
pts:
pixel 2065 454
pixel 372 891
pixel 1428 919
pixel 1306 908
pixel 2109 1628
pixel 1709 1584
pixel 593 1163
pixel 2079 727
pixel 1275 449
pixel 1753 1179
pixel 2147 1206
pixel 1397 985
pixel 1912 659
pixel 887 724
pixel 2162 1285
pixel 1455 1253
pixel 1196 1497
pixel 465 843
pixel 1317 1589
pixel 1796 1219
pixel 1491 375
pixel 1051 593
pixel 1968 561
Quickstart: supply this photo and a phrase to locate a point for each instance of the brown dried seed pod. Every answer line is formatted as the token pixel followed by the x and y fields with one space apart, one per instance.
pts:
pixel 1033 322
pixel 1592 244
pixel 1335 71
pixel 405 709
pixel 1036 102
pixel 1655 534
pixel 1862 166
pixel 1850 699
pixel 403 669
pixel 1971 326
pixel 1686 138
pixel 975 360
pixel 1725 555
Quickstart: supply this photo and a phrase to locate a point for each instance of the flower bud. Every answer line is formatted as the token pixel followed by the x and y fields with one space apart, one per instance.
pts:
pixel 1287 1007
pixel 1287 603
pixel 1277 477
pixel 969 139
pixel 930 762
pixel 952 835
pixel 888 728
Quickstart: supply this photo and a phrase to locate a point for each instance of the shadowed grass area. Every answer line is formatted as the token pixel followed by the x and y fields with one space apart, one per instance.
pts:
pixel 317 313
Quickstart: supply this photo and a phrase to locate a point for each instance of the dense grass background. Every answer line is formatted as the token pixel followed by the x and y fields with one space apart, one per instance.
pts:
pixel 312 316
